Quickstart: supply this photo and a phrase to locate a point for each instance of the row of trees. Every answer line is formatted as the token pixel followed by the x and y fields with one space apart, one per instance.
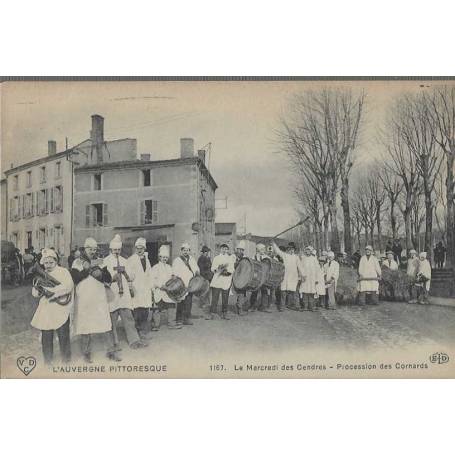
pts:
pixel 410 183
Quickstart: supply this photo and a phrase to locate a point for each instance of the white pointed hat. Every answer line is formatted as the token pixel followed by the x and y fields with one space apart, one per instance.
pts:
pixel 164 250
pixel 116 242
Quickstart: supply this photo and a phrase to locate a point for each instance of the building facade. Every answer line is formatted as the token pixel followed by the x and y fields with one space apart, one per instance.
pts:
pixel 4 208
pixel 40 193
pixel 166 202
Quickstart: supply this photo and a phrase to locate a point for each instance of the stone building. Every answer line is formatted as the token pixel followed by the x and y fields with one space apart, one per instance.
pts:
pixel 40 193
pixel 166 202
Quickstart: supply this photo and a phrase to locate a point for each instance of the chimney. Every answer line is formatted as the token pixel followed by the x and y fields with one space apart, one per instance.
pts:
pixel 97 136
pixel 145 156
pixel 51 148
pixel 186 147
pixel 201 155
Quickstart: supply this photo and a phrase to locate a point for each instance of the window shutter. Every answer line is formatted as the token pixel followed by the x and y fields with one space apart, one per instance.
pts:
pixel 61 199
pixel 19 207
pixel 105 217
pixel 88 213
pixel 51 190
pixel 11 210
pixel 155 211
pixel 143 213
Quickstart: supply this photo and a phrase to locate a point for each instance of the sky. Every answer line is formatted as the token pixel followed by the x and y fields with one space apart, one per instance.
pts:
pixel 239 119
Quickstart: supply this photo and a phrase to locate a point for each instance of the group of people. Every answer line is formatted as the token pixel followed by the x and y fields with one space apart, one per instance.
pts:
pixel 102 291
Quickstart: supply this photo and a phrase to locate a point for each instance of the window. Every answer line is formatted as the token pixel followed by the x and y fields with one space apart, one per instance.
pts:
pixel 16 182
pixel 29 239
pixel 97 180
pixel 96 215
pixel 15 239
pixel 58 170
pixel 28 205
pixel 29 179
pixel 149 212
pixel 16 208
pixel 43 174
pixel 43 205
pixel 146 177
pixel 42 238
pixel 58 199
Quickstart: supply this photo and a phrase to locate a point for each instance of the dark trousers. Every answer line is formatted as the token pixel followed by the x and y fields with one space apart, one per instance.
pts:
pixel 289 298
pixel 47 341
pixel 278 297
pixel 307 301
pixel 439 263
pixel 141 319
pixel 224 300
pixel 265 298
pixel 183 311
pixel 373 298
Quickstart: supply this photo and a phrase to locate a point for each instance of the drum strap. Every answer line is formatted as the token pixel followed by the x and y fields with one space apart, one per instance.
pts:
pixel 187 263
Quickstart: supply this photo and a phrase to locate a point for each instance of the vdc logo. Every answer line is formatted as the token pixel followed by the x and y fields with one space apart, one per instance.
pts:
pixel 439 358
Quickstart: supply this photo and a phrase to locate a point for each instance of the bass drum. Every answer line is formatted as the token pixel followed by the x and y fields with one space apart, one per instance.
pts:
pixel 198 286
pixel 273 273
pixel 248 275
pixel 175 288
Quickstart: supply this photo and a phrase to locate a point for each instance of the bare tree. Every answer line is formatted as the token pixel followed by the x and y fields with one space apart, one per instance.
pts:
pixel 377 196
pixel 393 188
pixel 441 102
pixel 420 140
pixel 319 137
pixel 401 161
pixel 365 209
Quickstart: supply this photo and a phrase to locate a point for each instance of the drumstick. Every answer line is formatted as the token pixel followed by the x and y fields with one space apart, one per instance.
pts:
pixel 292 227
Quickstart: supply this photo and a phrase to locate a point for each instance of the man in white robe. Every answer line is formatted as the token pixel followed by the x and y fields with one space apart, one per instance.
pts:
pixel 50 316
pixel 307 290
pixel 369 275
pixel 139 266
pixel 185 267
pixel 423 278
pixel 91 307
pixel 321 290
pixel 332 273
pixel 161 273
pixel 292 272
pixel 121 305
pixel 222 268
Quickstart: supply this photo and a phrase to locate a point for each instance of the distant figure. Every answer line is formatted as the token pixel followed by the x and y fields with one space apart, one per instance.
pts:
pixel 423 278
pixel 29 260
pixel 440 255
pixel 397 249
pixel 355 259
pixel 390 262
pixel 389 246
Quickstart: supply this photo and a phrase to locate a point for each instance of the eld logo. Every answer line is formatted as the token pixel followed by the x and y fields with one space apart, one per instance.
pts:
pixel 26 364
pixel 439 357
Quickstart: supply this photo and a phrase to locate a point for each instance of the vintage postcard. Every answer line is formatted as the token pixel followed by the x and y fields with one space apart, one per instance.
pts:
pixel 228 228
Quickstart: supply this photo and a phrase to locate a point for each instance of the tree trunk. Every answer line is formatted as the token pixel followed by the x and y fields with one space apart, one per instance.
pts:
pixel 408 229
pixel 450 217
pixel 378 225
pixel 393 220
pixel 428 224
pixel 346 216
pixel 326 232
pixel 335 241
pixel 372 236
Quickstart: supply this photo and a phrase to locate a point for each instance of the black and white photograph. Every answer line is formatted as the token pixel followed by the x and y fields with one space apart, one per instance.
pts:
pixel 228 228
